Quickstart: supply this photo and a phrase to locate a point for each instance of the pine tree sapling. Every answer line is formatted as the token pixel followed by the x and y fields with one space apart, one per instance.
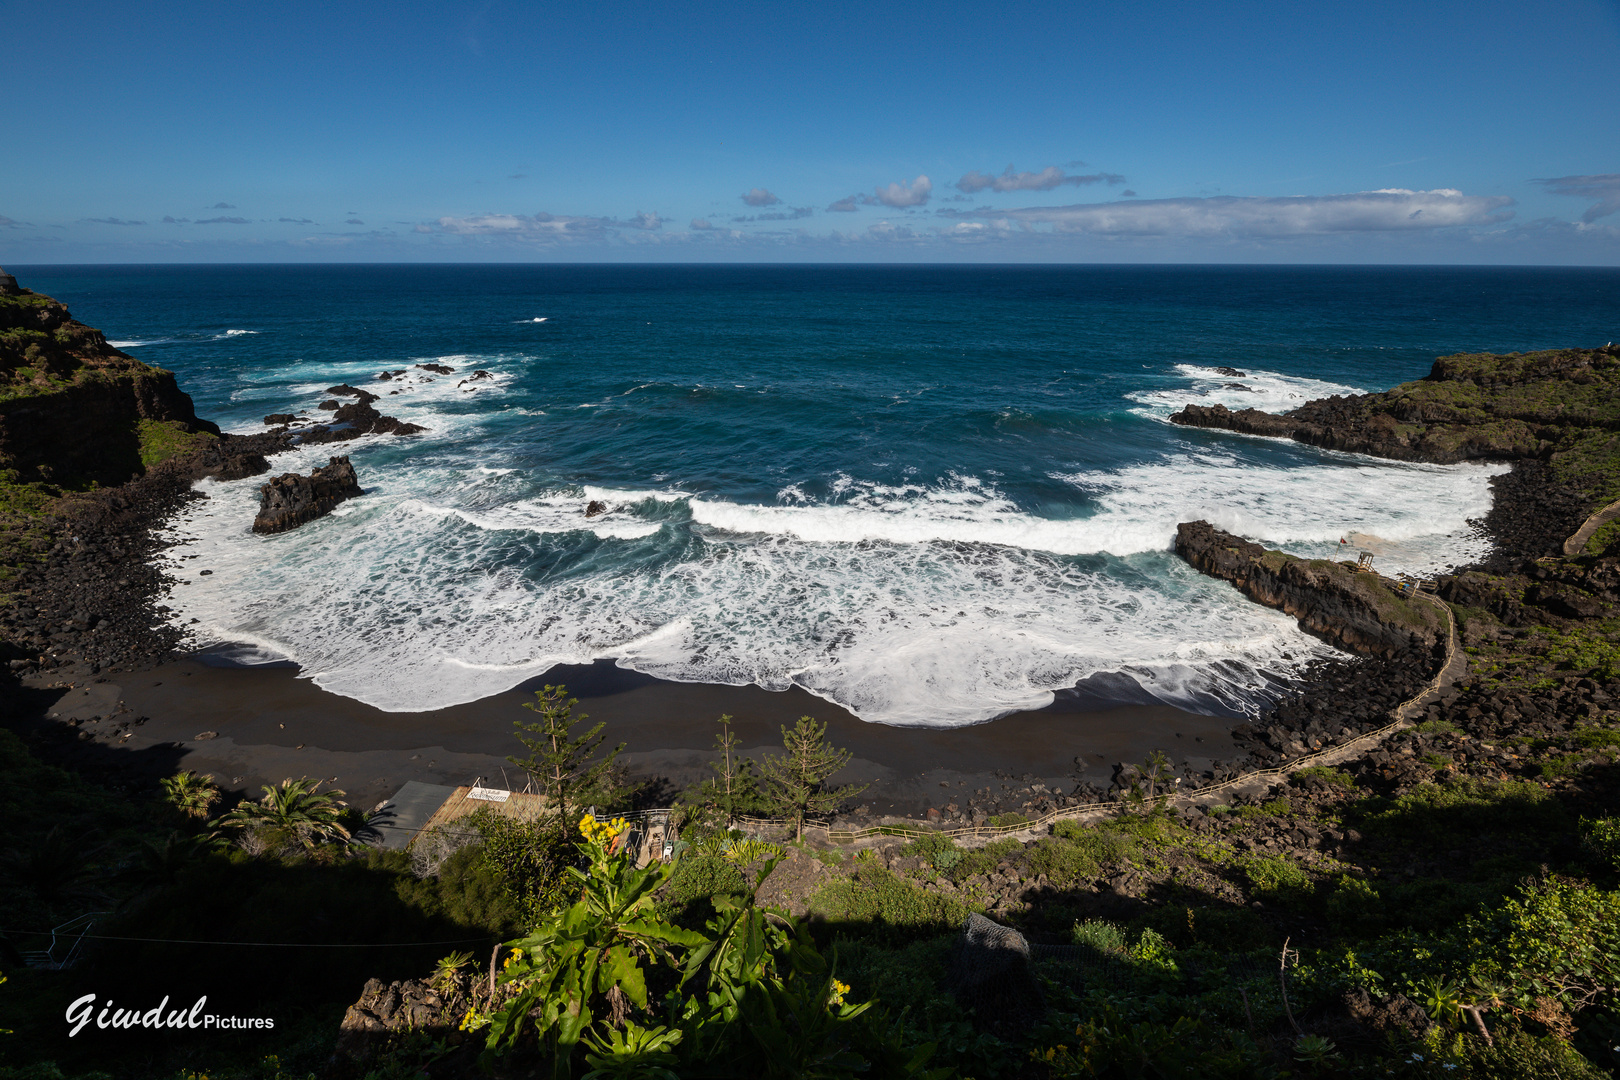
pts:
pixel 734 789
pixel 561 763
pixel 796 781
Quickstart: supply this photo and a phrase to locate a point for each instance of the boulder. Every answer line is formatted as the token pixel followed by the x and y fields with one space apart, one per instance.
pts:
pixel 437 369
pixel 595 507
pixel 990 973
pixel 290 499
pixel 359 418
pixel 345 390
pixel 386 1009
pixel 280 418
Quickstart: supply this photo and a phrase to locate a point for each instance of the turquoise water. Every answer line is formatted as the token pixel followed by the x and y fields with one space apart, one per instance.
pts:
pixel 932 495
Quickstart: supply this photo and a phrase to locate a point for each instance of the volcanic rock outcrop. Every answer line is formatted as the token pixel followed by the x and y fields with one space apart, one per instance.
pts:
pixel 1354 611
pixel 290 499
pixel 74 411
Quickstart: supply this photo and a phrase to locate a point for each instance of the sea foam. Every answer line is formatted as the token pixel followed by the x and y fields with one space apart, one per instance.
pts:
pixel 465 570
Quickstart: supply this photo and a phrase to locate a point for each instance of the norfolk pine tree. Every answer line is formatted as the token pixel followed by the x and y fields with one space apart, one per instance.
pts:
pixel 735 787
pixel 796 781
pixel 559 762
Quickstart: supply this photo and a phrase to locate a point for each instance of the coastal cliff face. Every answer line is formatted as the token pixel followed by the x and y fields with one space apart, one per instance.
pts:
pixel 1352 610
pixel 76 412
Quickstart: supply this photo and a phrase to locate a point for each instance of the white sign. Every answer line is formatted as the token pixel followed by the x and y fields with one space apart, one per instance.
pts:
pixel 489 794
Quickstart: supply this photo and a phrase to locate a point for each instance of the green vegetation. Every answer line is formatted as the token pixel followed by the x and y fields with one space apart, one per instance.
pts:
pixel 562 763
pixel 161 440
pixel 608 980
pixel 796 782
pixel 735 788
pixel 1327 775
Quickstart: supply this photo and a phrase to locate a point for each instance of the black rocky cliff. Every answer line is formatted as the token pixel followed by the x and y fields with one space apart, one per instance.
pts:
pixel 1353 610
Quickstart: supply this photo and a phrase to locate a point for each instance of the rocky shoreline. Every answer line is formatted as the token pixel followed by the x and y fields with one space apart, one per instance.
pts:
pixel 86 595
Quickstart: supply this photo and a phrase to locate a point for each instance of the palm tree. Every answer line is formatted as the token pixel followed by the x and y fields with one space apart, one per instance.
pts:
pixel 1156 771
pixel 189 793
pixel 156 865
pixel 295 811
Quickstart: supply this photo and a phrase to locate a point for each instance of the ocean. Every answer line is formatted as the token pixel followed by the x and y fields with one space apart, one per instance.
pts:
pixel 932 495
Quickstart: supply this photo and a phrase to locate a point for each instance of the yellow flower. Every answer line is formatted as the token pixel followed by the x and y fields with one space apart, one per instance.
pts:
pixel 839 989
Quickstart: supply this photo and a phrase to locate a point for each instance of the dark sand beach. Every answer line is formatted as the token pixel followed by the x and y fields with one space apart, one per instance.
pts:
pixel 270 724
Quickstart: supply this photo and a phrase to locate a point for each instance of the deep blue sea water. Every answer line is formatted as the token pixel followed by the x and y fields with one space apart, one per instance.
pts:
pixel 930 494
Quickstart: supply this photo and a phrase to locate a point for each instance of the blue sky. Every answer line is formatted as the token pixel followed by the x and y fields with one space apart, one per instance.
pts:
pixel 1150 132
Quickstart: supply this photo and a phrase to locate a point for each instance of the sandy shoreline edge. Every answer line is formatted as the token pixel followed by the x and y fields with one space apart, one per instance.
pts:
pixel 267 723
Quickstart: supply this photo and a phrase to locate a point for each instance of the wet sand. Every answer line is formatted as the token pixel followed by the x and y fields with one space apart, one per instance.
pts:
pixel 271 724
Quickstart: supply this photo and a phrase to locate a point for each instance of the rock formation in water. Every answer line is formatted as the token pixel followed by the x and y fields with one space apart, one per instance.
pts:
pixel 1353 610
pixel 290 499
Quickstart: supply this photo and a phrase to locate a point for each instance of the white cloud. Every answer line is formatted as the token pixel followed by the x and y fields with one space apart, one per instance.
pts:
pixel 760 197
pixel 901 196
pixel 1045 180
pixel 847 205
pixel 1389 210
pixel 701 225
pixel 1604 187
pixel 884 230
pixel 542 227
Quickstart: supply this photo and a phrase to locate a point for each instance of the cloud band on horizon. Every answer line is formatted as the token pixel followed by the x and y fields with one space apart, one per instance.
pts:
pixel 1387 210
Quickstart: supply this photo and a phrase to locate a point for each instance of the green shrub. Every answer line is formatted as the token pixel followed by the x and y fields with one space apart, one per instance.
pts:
pixel 1600 541
pixel 940 852
pixel 1076 850
pixel 1337 777
pixel 1156 829
pixel 1516 1055
pixel 987 858
pixel 701 874
pixel 529 858
pixel 1103 936
pixel 1355 906
pixel 1002 821
pixel 1601 837
pixel 877 902
pixel 1594 738
pixel 1276 878
pixel 1062 861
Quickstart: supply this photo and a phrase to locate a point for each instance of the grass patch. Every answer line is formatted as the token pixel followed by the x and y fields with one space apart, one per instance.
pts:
pixel 161 440
pixel 1002 821
pixel 879 903
pixel 1600 540
pixel 1326 774
pixel 1278 879
pixel 1590 652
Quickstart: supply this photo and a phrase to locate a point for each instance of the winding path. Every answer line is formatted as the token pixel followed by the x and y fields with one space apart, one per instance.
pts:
pixel 1453 669
pixel 1577 543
